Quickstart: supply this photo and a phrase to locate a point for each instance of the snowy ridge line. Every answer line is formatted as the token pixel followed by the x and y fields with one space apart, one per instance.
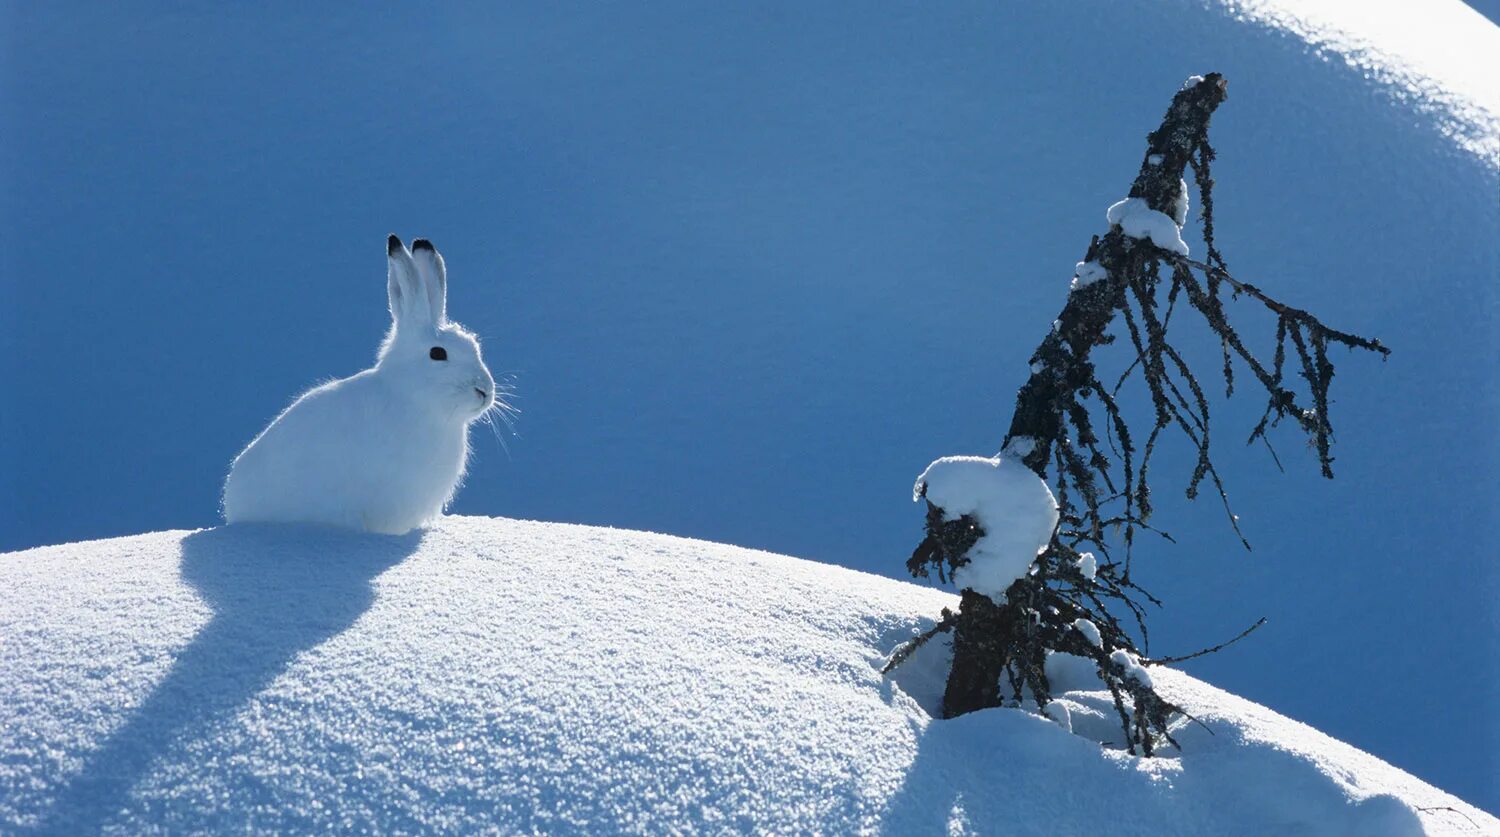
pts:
pixel 1420 52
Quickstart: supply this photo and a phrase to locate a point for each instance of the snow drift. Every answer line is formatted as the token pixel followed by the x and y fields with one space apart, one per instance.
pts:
pixel 530 677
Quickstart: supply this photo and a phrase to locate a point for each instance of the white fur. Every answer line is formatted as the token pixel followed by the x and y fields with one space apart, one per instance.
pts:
pixel 384 450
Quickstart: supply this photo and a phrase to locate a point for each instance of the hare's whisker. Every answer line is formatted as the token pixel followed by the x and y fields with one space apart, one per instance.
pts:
pixel 494 431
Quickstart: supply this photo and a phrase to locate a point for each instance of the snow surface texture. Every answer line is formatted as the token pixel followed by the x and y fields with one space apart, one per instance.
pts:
pixel 1013 506
pixel 531 677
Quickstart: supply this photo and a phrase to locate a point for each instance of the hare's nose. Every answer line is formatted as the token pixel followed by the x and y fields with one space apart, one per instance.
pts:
pixel 482 393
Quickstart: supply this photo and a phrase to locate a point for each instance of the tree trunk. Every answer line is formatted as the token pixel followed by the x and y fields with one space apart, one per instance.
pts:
pixel 981 626
pixel 979 639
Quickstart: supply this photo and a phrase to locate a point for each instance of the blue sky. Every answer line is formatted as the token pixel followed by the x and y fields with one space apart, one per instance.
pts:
pixel 1488 8
pixel 750 270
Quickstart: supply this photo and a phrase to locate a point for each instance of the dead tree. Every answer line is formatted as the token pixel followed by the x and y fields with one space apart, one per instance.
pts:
pixel 1066 418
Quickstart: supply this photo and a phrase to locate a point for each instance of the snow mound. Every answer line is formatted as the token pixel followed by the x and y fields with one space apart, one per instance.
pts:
pixel 530 677
pixel 1012 504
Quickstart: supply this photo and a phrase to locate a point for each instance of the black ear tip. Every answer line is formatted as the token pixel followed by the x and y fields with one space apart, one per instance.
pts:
pixel 392 244
pixel 422 244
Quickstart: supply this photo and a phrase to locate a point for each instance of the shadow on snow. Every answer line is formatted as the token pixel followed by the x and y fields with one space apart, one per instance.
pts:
pixel 275 591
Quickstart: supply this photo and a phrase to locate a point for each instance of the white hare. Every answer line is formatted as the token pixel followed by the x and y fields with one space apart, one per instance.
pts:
pixel 384 450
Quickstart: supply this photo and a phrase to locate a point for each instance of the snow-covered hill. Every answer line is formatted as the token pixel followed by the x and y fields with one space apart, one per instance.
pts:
pixel 531 677
pixel 787 253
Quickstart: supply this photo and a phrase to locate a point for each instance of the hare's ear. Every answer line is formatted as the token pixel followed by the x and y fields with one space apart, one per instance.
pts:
pixel 403 285
pixel 434 275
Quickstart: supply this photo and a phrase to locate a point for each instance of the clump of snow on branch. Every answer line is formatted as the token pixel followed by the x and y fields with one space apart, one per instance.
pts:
pixel 1137 219
pixel 1090 632
pixel 1013 506
pixel 1019 447
pixel 1131 666
pixel 1088 565
pixel 1087 273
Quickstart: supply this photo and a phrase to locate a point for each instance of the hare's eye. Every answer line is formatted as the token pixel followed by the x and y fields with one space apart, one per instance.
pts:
pixel 438 353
